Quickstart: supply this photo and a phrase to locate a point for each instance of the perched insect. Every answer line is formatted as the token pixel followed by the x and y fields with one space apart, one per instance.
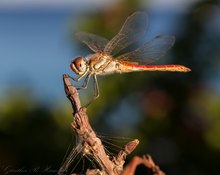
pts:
pixel 102 61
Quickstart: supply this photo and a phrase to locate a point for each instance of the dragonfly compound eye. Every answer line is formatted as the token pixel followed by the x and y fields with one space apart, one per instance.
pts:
pixel 78 65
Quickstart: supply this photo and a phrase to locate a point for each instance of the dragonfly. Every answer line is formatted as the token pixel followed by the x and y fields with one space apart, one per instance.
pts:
pixel 107 59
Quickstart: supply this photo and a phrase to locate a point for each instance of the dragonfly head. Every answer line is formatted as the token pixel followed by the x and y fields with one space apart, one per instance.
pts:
pixel 78 65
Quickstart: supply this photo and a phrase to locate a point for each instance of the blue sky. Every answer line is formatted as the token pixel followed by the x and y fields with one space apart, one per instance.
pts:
pixel 35 48
pixel 13 4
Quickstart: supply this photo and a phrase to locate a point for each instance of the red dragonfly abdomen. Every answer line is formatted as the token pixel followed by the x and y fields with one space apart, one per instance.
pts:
pixel 130 67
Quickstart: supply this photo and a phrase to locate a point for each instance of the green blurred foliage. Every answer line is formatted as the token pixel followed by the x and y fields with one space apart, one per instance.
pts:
pixel 33 135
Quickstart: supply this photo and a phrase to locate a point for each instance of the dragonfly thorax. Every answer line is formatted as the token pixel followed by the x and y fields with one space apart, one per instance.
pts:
pixel 78 65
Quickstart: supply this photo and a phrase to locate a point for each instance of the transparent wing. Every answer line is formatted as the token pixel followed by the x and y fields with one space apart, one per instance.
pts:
pixel 133 29
pixel 151 50
pixel 94 42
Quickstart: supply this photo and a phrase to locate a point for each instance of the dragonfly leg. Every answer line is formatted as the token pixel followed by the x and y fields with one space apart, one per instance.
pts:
pixel 96 91
pixel 79 78
pixel 85 83
pixel 96 88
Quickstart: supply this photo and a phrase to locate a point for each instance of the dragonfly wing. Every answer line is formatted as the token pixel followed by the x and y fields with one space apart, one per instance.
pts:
pixel 133 29
pixel 150 51
pixel 94 42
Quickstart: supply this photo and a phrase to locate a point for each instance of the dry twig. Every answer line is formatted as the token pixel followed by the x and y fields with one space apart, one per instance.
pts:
pixel 147 161
pixel 91 144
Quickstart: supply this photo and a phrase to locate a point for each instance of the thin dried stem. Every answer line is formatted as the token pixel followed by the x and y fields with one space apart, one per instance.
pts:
pixel 92 145
pixel 145 160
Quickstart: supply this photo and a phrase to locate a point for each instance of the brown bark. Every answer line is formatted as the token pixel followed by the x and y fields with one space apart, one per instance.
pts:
pixel 91 145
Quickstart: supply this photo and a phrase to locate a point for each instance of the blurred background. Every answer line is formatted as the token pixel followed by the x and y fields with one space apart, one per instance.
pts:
pixel 176 116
